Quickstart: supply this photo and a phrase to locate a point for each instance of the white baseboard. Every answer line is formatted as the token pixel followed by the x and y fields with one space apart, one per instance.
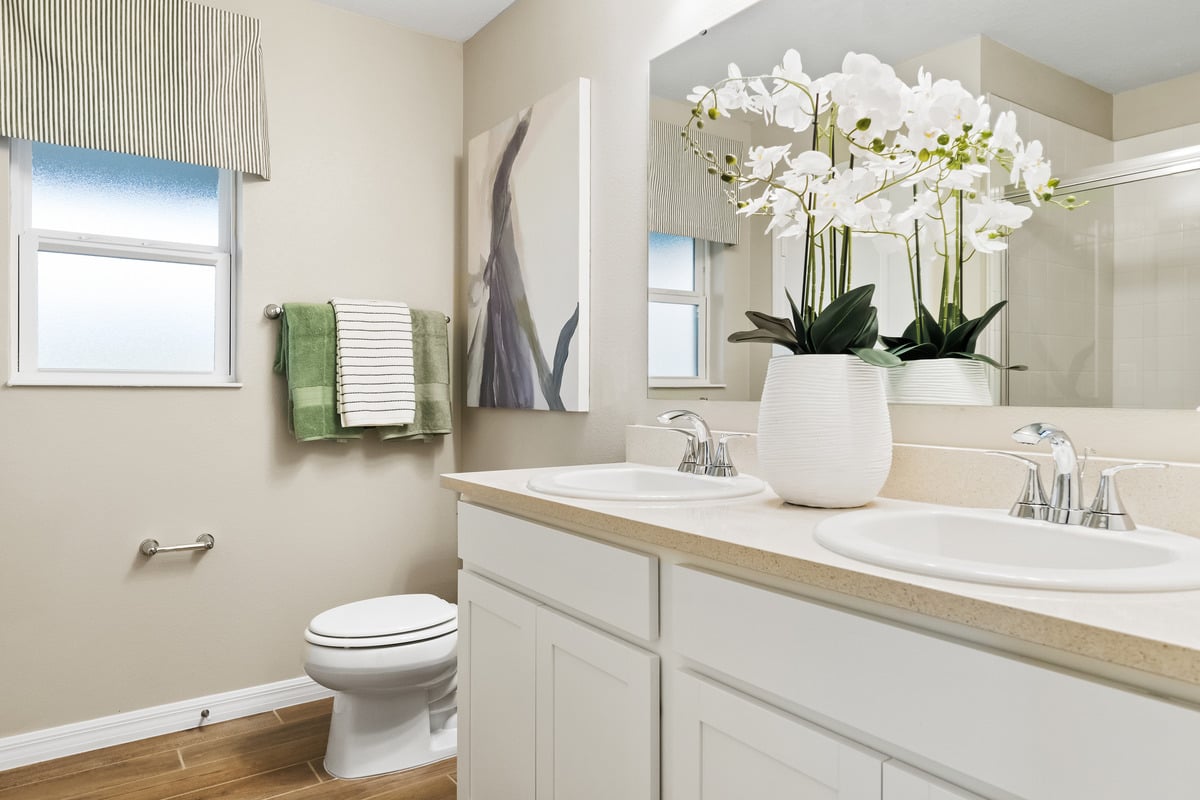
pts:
pixel 79 737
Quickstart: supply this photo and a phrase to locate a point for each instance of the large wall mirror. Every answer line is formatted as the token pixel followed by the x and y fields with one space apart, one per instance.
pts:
pixel 1103 301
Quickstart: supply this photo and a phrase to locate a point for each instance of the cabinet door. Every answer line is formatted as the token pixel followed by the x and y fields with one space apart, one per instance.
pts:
pixel 496 669
pixel 726 746
pixel 902 782
pixel 597 714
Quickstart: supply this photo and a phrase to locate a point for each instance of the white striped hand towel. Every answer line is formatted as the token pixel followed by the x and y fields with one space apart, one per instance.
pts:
pixel 375 383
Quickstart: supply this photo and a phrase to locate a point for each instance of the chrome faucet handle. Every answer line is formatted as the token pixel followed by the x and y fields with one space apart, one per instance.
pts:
pixel 1066 504
pixel 703 445
pixel 1108 512
pixel 1032 503
pixel 688 462
pixel 722 465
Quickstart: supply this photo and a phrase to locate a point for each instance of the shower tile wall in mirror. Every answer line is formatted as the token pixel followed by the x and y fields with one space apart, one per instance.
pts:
pixel 1102 300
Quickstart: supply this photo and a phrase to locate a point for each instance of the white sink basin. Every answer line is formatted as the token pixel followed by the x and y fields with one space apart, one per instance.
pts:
pixel 640 482
pixel 992 547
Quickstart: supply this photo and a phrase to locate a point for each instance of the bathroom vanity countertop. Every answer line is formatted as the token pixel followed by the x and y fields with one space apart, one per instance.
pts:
pixel 1156 633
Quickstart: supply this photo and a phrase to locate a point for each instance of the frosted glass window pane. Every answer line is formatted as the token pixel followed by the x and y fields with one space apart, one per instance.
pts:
pixel 672 262
pixel 113 194
pixel 99 313
pixel 674 340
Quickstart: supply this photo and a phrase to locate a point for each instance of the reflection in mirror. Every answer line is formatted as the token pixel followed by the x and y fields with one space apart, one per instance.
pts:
pixel 1100 298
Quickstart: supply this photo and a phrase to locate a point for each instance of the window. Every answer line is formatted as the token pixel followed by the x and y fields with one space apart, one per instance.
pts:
pixel 125 273
pixel 678 329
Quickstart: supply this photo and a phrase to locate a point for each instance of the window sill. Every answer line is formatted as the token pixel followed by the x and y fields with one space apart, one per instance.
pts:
pixel 654 384
pixel 129 381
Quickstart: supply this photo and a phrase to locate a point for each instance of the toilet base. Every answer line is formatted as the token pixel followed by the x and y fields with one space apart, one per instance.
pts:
pixel 365 739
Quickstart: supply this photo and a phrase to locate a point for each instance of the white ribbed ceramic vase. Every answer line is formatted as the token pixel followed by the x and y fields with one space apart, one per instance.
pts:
pixel 824 435
pixel 945 381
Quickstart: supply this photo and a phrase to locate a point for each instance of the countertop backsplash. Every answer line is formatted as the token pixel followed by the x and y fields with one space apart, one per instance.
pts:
pixel 965 477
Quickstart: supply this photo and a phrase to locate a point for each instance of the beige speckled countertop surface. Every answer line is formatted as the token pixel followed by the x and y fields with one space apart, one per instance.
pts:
pixel 1155 633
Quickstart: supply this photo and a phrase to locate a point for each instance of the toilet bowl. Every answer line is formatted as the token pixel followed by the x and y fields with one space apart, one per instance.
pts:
pixel 391 662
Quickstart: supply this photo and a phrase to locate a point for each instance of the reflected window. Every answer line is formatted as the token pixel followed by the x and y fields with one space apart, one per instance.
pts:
pixel 678 310
pixel 124 268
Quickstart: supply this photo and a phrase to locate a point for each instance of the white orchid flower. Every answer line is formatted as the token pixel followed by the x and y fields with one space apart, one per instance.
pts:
pixel 810 162
pixel 762 160
pixel 1004 132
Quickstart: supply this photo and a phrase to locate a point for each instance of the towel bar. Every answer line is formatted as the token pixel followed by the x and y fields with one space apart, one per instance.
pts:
pixel 275 311
pixel 204 541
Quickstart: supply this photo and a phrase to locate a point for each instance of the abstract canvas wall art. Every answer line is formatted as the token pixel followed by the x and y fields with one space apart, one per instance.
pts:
pixel 528 257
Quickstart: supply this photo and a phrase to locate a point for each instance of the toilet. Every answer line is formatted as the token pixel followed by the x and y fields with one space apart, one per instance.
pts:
pixel 391 662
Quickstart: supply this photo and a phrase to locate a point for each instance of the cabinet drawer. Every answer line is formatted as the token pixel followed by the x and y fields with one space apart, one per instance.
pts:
pixel 610 584
pixel 1034 732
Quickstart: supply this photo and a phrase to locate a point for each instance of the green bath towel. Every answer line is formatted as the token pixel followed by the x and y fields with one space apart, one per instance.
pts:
pixel 307 356
pixel 431 370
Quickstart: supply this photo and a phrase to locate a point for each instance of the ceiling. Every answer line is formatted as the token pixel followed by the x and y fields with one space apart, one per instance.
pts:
pixel 457 20
pixel 1111 45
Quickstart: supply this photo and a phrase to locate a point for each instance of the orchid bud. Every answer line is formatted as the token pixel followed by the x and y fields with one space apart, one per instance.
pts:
pixel 863 124
pixel 713 113
pixel 710 155
pixel 727 177
pixel 1053 183
pixel 944 139
pixel 923 156
pixel 713 170
pixel 730 159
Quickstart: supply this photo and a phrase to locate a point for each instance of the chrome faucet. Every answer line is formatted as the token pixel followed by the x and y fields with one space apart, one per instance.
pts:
pixel 697 458
pixel 1065 505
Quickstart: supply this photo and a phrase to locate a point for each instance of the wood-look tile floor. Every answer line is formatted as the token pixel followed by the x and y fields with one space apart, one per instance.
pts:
pixel 272 755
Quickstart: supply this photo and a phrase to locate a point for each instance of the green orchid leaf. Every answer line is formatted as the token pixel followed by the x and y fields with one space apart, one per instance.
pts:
pixel 842 321
pixel 964 338
pixel 761 335
pixel 777 325
pixel 914 352
pixel 869 334
pixel 933 332
pixel 896 341
pixel 798 321
pixel 987 360
pixel 877 358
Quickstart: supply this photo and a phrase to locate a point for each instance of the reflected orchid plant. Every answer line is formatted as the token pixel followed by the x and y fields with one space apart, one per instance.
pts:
pixel 868 138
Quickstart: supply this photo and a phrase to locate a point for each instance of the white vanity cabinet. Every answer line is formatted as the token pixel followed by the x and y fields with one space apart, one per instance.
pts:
pixel 551 707
pixel 765 693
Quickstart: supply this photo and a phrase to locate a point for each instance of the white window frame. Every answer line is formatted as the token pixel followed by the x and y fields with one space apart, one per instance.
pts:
pixel 27 242
pixel 699 296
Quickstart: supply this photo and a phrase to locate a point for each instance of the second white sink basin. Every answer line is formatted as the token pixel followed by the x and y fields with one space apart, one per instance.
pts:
pixel 992 547
pixel 640 482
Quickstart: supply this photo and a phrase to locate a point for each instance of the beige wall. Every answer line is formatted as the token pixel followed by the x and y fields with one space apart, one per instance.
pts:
pixel 366 132
pixel 1157 107
pixel 1009 74
pixel 527 52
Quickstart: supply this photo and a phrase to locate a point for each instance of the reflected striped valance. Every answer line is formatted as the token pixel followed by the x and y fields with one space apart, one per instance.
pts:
pixel 684 199
pixel 168 79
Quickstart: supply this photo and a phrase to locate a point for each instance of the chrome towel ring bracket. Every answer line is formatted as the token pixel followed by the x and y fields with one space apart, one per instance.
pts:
pixel 204 541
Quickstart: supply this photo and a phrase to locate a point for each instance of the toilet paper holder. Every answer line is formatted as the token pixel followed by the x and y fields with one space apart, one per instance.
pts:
pixel 204 541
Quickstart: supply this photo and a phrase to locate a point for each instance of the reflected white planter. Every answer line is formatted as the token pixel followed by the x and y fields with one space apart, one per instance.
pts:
pixel 942 381
pixel 824 435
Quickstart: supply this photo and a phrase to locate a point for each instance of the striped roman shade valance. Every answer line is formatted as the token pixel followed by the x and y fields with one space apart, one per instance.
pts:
pixel 684 199
pixel 167 79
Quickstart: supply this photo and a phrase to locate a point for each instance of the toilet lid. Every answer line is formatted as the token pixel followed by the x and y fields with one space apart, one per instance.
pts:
pixel 383 616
